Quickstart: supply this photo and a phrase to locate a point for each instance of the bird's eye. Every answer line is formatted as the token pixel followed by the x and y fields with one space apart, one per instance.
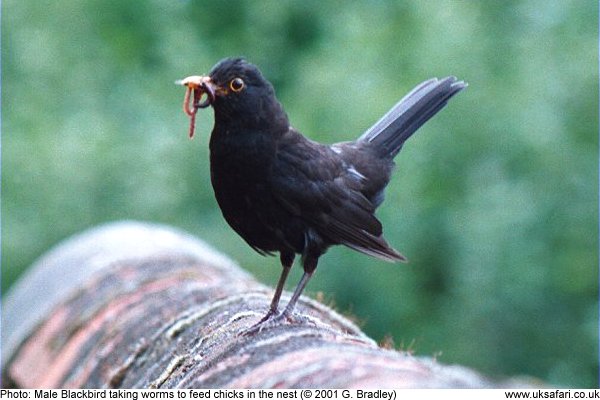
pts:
pixel 236 85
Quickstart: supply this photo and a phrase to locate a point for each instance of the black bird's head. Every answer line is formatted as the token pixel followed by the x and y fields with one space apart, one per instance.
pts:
pixel 239 94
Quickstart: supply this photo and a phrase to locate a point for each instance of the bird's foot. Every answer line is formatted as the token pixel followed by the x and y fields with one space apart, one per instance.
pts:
pixel 272 318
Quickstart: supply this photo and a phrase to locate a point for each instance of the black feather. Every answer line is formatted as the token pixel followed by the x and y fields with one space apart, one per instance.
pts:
pixel 389 133
pixel 282 192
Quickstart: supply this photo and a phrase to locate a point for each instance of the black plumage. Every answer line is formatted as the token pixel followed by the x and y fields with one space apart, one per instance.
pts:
pixel 282 192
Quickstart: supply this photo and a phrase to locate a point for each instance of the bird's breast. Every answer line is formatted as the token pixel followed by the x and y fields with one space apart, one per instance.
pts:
pixel 240 172
pixel 241 158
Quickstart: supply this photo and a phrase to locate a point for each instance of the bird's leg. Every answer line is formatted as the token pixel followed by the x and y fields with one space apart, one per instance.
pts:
pixel 272 317
pixel 310 264
pixel 310 258
pixel 287 259
pixel 289 309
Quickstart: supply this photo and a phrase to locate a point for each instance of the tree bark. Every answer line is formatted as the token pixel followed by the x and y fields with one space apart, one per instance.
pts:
pixel 133 305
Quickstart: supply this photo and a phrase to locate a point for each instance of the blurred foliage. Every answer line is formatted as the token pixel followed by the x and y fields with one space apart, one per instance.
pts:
pixel 494 201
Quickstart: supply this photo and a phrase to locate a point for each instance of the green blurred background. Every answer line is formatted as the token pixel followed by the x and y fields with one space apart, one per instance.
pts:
pixel 494 201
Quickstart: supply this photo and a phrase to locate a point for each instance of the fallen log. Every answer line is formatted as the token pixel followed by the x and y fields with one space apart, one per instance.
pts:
pixel 136 305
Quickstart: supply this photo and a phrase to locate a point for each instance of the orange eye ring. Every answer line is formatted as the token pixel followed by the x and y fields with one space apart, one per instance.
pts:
pixel 236 85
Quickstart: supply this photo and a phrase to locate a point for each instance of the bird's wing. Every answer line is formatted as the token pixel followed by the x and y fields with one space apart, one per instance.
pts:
pixel 314 184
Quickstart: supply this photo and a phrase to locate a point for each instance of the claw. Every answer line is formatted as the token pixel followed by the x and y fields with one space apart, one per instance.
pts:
pixel 272 318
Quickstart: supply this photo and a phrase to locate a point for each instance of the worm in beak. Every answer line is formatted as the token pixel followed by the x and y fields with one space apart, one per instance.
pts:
pixel 196 86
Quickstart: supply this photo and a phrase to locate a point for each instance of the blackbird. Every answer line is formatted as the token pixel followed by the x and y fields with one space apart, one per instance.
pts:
pixel 282 192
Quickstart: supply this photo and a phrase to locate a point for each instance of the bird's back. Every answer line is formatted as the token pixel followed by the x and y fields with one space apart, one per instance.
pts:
pixel 333 191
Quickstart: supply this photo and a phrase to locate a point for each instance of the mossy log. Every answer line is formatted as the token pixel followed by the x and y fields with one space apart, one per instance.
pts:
pixel 135 305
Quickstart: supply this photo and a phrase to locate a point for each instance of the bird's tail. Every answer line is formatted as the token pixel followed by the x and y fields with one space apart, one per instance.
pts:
pixel 423 102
